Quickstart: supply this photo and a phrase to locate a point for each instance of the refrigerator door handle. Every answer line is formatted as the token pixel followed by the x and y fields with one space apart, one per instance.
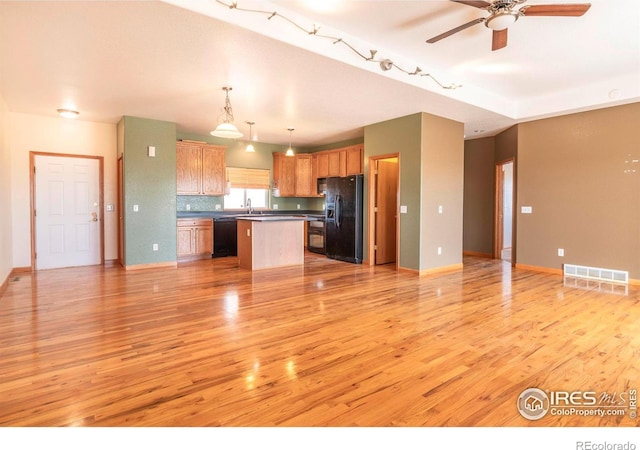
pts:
pixel 338 211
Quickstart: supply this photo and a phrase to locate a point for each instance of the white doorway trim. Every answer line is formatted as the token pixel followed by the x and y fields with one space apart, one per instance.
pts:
pixel 100 207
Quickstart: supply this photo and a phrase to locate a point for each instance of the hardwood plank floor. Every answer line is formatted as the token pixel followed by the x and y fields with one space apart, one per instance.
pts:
pixel 330 344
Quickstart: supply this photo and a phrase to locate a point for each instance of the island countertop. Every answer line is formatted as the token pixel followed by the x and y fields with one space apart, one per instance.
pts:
pixel 270 241
pixel 273 218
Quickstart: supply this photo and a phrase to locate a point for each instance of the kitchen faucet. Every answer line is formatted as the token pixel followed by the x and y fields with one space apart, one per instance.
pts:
pixel 249 208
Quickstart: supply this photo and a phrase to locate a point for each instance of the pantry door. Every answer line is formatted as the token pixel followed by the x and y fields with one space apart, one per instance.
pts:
pixel 66 213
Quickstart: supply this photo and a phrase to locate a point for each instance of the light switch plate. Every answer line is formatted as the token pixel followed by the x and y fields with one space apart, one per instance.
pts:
pixel 151 151
pixel 403 209
pixel 527 209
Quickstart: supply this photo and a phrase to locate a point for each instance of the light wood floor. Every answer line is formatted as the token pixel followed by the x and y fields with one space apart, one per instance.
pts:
pixel 330 344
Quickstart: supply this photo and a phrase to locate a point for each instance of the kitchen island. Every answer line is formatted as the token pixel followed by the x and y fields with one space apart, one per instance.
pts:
pixel 270 241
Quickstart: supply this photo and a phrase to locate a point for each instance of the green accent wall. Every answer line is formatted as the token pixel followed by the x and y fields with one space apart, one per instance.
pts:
pixel 150 183
pixel 431 164
pixel 401 136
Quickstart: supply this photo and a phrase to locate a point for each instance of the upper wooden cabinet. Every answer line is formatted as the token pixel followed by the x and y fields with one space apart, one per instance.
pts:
pixel 322 164
pixel 297 176
pixel 284 174
pixel 354 160
pixel 337 164
pixel 305 184
pixel 200 168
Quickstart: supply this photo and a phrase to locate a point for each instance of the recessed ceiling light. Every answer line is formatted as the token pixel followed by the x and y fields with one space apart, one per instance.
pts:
pixel 68 113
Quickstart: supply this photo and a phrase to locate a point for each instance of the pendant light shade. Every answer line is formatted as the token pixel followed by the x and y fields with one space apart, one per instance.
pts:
pixel 289 151
pixel 250 148
pixel 227 129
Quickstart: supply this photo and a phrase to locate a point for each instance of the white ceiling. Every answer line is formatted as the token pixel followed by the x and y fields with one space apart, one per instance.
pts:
pixel 169 61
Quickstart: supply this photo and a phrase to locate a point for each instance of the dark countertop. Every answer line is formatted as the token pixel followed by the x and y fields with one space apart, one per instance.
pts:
pixel 228 214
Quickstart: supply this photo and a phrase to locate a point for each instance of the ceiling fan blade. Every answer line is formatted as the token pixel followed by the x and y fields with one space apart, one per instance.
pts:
pixel 499 39
pixel 574 10
pixel 477 3
pixel 455 30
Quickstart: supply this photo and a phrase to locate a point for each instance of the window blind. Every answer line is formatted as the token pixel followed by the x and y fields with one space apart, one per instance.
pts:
pixel 248 178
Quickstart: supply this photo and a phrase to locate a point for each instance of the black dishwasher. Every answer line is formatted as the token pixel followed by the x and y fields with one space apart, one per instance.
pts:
pixel 225 237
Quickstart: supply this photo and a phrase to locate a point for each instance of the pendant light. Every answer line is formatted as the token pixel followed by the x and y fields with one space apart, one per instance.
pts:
pixel 68 113
pixel 227 129
pixel 250 148
pixel 289 150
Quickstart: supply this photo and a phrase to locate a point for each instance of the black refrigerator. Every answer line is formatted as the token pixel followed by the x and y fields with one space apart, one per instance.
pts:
pixel 343 218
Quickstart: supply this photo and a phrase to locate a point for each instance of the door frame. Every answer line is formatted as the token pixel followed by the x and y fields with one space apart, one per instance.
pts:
pixel 371 219
pixel 120 209
pixel 32 198
pixel 498 236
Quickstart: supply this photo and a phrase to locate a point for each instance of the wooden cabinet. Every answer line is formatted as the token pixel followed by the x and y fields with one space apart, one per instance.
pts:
pixel 195 238
pixel 284 174
pixel 354 160
pixel 200 168
pixel 323 164
pixel 297 176
pixel 337 161
pixel 305 185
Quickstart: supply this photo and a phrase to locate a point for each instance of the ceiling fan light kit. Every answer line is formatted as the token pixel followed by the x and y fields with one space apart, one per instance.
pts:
pixel 502 20
pixel 503 14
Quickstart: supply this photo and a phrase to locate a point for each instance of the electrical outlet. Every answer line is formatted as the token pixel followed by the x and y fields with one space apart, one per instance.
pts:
pixel 439 250
pixel 275 206
pixel 218 207
pixel 560 252
pixel 298 206
pixel 440 209
pixel 188 207
pixel 135 208
pixel 155 247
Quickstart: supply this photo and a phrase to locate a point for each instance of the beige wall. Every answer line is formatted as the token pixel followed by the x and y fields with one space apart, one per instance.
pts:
pixel 6 258
pixel 441 180
pixel 575 171
pixel 479 195
pixel 30 132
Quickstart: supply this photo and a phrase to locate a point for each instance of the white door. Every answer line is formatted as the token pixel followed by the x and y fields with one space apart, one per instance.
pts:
pixel 67 211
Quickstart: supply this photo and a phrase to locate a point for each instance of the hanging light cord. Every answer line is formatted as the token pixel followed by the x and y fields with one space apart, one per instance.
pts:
pixel 385 64
pixel 228 112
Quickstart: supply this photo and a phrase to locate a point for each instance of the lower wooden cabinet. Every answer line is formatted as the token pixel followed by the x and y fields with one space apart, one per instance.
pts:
pixel 195 239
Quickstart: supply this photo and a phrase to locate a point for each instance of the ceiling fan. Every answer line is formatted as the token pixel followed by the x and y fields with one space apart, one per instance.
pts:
pixel 503 14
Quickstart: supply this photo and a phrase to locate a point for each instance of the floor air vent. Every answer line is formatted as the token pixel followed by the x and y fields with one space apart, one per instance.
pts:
pixel 595 273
